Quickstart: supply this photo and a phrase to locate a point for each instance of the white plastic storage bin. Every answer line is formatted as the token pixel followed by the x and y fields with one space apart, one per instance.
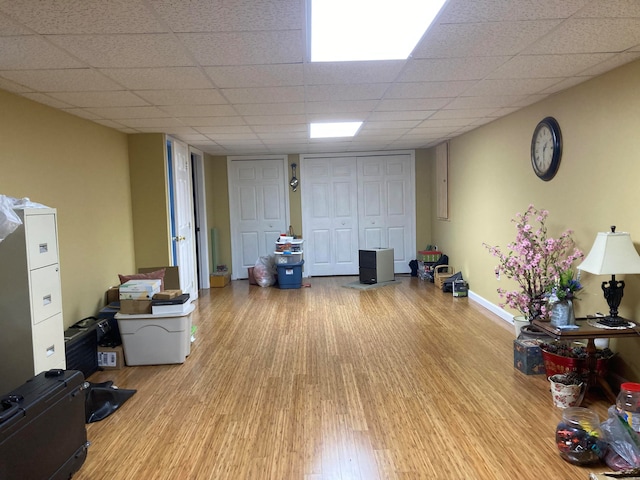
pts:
pixel 155 339
pixel 284 258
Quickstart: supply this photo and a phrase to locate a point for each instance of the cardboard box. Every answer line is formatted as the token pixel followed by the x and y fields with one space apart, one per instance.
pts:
pixel 113 295
pixel 220 279
pixel 527 357
pixel 139 289
pixel 167 294
pixel 135 307
pixel 111 358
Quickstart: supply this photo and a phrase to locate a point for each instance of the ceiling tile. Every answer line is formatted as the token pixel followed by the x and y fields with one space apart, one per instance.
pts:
pixel 62 80
pixel 116 113
pixel 81 112
pixel 199 110
pixel 405 104
pixel 271 109
pixel 9 27
pixel 331 73
pixel 464 11
pixel 476 39
pixel 202 123
pixel 207 96
pixel 610 9
pixel 257 120
pixel 238 48
pixel 29 51
pixel 541 66
pixel 428 89
pixel 164 78
pixel 151 122
pixel 264 95
pixel 82 16
pixel 341 106
pixel 10 86
pixel 222 16
pixel 463 113
pixel 510 86
pixel 485 101
pixel 352 91
pixel 99 99
pixel 590 35
pixel 122 51
pixel 450 69
pixel 400 115
pixel 46 100
pixel 277 75
pixel 613 62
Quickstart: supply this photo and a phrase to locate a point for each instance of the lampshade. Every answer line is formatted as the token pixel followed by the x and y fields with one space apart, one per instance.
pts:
pixel 612 253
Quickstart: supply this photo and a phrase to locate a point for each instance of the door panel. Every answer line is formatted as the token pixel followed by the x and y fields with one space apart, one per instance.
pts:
pixel 330 213
pixel 386 204
pixel 257 204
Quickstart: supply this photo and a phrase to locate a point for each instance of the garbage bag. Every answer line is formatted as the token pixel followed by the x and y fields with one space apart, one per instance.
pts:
pixel 265 271
pixel 102 399
pixel 9 220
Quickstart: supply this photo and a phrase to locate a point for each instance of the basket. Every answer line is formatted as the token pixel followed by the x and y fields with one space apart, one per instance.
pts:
pixel 429 256
pixel 554 364
pixel 441 273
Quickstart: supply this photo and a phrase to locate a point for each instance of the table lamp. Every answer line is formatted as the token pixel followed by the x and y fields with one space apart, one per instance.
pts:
pixel 612 254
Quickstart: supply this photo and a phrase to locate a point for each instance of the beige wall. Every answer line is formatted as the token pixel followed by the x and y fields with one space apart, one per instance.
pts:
pixel 151 228
pixel 425 160
pixel 81 169
pixel 217 193
pixel 491 179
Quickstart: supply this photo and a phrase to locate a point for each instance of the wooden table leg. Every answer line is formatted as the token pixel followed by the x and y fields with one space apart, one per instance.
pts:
pixel 594 378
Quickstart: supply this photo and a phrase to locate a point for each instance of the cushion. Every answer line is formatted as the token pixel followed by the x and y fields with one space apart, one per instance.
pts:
pixel 156 275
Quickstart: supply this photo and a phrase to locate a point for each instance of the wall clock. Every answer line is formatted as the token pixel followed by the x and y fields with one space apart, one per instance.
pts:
pixel 546 148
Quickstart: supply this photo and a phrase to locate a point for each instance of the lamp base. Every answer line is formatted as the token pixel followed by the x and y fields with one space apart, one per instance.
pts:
pixel 613 322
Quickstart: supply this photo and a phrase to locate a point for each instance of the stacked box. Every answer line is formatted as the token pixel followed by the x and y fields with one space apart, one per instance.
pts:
pixel 527 357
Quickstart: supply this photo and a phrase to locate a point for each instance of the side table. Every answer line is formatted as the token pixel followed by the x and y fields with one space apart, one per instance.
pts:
pixel 589 329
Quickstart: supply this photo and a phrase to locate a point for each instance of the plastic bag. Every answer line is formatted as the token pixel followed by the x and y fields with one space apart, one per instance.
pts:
pixel 265 271
pixel 621 438
pixel 9 221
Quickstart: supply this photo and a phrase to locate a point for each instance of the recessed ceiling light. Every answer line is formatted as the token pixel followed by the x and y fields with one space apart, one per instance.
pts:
pixel 333 130
pixel 356 30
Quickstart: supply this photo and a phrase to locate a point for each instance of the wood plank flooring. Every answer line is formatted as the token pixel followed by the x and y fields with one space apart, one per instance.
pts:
pixel 403 382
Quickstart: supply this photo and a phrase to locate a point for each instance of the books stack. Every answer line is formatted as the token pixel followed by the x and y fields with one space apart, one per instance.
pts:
pixel 176 305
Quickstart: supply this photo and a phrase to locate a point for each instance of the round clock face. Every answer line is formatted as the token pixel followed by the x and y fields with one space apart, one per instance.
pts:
pixel 546 148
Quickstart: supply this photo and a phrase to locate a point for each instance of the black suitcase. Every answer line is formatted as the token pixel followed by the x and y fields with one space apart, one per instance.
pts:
pixel 42 427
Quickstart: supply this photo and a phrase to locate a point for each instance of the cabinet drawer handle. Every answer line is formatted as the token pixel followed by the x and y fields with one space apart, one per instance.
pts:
pixel 51 350
pixel 46 300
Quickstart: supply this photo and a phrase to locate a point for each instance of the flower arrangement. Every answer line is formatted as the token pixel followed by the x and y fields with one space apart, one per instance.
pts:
pixel 535 261
pixel 565 288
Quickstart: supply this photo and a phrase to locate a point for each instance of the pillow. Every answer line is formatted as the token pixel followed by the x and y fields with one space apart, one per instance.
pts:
pixel 157 275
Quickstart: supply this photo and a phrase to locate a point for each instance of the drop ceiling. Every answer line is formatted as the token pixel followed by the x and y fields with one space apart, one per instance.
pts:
pixel 232 77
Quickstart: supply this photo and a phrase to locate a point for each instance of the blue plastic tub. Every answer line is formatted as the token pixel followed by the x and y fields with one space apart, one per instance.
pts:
pixel 290 275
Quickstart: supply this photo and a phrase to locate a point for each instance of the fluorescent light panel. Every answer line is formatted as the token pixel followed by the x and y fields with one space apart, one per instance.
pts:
pixel 356 30
pixel 333 130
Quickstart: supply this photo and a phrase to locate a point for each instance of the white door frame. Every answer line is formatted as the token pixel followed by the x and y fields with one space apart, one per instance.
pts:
pixel 200 204
pixel 232 220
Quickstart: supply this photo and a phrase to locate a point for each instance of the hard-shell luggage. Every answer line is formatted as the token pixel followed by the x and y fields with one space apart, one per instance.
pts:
pixel 42 427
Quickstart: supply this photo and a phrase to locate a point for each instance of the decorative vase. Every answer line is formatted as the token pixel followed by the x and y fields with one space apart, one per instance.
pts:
pixel 519 321
pixel 562 313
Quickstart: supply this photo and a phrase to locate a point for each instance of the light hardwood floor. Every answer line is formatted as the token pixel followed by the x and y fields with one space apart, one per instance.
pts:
pixel 322 383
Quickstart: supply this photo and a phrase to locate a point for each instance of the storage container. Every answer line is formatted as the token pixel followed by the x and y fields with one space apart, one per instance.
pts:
pixel 290 276
pixel 578 436
pixel 628 404
pixel 155 339
pixel 429 255
pixel 287 258
pixel 441 273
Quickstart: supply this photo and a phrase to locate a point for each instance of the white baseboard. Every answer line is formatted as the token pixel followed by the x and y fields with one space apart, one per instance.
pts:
pixel 503 314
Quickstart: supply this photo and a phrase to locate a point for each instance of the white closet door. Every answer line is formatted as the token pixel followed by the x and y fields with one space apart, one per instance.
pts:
pixel 330 211
pixel 353 202
pixel 258 209
pixel 386 206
